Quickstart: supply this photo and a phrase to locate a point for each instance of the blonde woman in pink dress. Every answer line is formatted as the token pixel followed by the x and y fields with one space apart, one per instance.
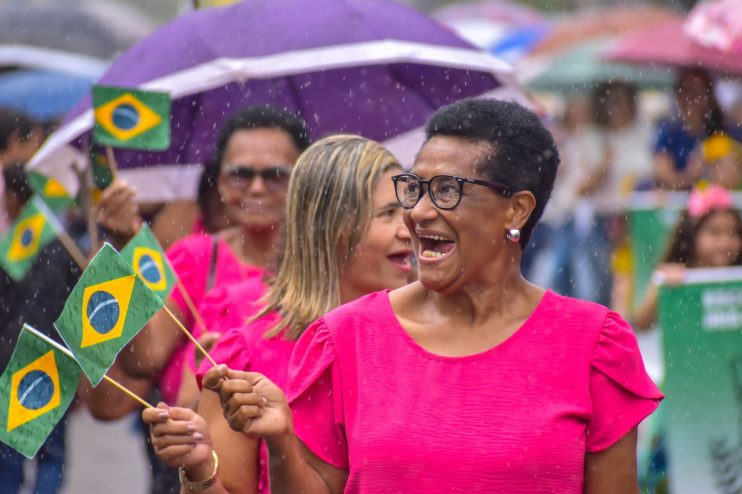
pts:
pixel 344 238
pixel 472 379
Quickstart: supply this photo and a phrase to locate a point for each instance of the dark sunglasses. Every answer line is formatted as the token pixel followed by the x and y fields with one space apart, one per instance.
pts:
pixel 241 177
pixel 445 190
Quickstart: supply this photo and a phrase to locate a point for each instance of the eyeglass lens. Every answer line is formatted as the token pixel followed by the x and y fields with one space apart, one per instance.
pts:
pixel 445 191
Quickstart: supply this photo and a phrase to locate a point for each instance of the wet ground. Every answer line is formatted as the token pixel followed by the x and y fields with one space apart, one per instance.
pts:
pixel 104 457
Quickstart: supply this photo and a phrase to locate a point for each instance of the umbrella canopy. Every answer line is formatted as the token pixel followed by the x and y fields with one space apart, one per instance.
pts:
pixel 42 95
pixel 667 44
pixel 582 67
pixel 77 37
pixel 717 24
pixel 371 67
pixel 586 25
pixel 509 30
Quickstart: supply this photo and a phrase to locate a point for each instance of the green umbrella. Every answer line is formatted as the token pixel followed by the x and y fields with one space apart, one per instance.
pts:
pixel 581 67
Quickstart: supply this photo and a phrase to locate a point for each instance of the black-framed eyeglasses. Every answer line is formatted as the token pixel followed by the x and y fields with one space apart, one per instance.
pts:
pixel 275 178
pixel 445 190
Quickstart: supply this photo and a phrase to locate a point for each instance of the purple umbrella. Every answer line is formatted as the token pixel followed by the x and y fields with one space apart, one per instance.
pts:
pixel 371 67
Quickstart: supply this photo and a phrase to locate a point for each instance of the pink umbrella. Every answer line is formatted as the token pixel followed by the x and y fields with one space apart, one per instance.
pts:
pixel 667 44
pixel 601 22
pixel 717 24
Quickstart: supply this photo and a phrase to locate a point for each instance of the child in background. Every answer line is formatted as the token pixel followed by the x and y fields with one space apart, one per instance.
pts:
pixel 708 235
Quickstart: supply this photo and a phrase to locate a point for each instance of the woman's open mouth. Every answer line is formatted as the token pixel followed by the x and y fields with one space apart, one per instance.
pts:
pixel 402 260
pixel 434 247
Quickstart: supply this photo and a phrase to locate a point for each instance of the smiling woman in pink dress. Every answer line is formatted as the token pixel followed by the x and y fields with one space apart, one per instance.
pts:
pixel 472 379
pixel 255 152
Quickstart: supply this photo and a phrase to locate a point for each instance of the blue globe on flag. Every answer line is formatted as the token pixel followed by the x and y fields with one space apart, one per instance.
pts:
pixel 125 116
pixel 103 311
pixel 148 269
pixel 35 390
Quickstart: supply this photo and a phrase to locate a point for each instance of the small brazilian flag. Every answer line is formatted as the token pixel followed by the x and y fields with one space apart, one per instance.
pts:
pixel 107 307
pixel 50 190
pixel 102 171
pixel 129 118
pixel 35 227
pixel 146 258
pixel 36 389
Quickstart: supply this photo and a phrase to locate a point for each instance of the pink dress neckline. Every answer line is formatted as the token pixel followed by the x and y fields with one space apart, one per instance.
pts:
pixel 518 334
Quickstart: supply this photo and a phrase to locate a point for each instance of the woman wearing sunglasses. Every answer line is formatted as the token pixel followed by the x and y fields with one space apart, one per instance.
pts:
pixel 345 238
pixel 472 379
pixel 255 152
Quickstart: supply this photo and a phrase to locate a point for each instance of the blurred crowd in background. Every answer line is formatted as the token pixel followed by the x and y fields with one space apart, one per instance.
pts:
pixel 622 128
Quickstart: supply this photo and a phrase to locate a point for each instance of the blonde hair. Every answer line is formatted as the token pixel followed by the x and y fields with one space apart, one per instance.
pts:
pixel 329 206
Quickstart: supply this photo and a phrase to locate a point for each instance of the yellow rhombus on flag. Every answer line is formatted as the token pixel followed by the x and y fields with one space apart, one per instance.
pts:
pixel 51 191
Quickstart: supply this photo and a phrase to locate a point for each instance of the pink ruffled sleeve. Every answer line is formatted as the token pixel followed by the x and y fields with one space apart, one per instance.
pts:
pixel 231 349
pixel 315 396
pixel 621 391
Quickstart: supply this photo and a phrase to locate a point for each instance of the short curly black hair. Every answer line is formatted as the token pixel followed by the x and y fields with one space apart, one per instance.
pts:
pixel 261 117
pixel 523 154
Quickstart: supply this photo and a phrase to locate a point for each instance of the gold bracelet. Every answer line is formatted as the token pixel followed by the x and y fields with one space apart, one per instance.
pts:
pixel 203 484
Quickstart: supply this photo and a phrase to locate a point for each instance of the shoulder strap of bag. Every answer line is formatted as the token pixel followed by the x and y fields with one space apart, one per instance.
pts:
pixel 211 278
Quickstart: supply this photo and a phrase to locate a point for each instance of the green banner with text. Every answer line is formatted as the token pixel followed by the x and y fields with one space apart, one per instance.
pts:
pixel 701 323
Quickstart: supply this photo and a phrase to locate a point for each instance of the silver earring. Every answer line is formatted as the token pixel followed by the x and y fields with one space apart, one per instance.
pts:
pixel 513 235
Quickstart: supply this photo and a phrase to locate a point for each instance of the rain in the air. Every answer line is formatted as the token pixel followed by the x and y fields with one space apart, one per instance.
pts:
pixel 371 246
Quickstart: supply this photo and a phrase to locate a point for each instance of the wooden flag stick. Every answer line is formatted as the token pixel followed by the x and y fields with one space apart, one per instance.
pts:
pixel 111 161
pixel 128 392
pixel 86 179
pixel 190 336
pixel 64 237
pixel 191 306
pixel 73 250
pixel 66 351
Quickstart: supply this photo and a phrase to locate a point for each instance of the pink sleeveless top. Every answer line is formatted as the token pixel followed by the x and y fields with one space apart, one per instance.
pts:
pixel 517 418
